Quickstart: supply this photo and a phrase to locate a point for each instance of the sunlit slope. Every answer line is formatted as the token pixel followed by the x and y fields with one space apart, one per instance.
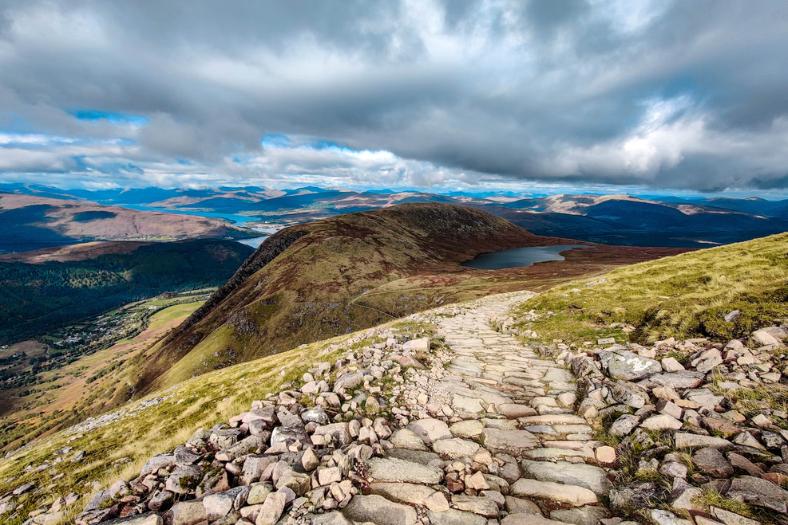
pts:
pixel 118 444
pixel 303 283
pixel 683 296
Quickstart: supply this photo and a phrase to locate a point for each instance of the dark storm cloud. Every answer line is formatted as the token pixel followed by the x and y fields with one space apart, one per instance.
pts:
pixel 666 94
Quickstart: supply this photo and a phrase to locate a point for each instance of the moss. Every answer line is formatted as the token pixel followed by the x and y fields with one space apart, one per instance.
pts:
pixel 712 498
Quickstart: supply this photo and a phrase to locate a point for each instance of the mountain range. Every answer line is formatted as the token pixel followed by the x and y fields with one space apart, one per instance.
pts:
pixel 609 219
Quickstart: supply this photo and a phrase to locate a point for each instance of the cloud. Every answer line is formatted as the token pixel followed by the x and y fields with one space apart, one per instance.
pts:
pixel 422 92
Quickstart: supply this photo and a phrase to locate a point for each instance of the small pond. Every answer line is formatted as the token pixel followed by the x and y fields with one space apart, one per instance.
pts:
pixel 520 257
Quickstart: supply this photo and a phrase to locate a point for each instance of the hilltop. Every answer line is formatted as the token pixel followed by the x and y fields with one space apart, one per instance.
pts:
pixel 340 274
pixel 302 284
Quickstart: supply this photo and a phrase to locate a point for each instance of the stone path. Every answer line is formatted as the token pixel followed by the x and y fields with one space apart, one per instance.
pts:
pixel 517 452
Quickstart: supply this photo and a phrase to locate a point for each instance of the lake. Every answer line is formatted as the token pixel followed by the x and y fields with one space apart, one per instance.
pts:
pixel 520 257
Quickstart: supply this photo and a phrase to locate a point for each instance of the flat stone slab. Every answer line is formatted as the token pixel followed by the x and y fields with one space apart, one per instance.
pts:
pixel 430 430
pixel 513 410
pixel 379 510
pixel 392 469
pixel 455 447
pixel 511 441
pixel 456 517
pixel 470 428
pixel 580 474
pixel 558 453
pixel 523 518
pixel 410 493
pixel 553 419
pixel 689 440
pixel 558 492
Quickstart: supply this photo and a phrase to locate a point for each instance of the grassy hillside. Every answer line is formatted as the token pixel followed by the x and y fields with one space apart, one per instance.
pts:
pixel 683 296
pixel 118 445
pixel 303 283
pixel 36 298
pixel 88 381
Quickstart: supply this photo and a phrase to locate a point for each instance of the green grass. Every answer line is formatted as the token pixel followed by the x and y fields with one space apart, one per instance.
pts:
pixel 758 400
pixel 712 498
pixel 682 296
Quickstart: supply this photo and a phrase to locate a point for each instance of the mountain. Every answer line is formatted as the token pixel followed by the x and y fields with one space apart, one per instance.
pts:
pixel 46 290
pixel 308 282
pixel 633 220
pixel 626 220
pixel 473 377
pixel 32 222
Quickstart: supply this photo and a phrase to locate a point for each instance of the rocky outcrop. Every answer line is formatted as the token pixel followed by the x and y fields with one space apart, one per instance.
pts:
pixel 692 425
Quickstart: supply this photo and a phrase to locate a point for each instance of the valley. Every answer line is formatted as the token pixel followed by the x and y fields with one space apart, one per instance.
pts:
pixel 43 291
pixel 458 383
pixel 73 373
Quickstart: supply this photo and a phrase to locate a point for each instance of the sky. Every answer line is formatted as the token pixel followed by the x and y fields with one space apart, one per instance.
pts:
pixel 664 96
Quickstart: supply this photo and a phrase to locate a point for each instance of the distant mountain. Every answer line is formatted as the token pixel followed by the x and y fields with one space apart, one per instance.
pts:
pixel 31 222
pixel 643 222
pixel 52 289
pixel 759 207
pixel 611 219
pixel 307 282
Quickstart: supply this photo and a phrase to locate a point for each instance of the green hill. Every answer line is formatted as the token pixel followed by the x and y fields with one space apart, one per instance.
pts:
pixel 687 295
pixel 305 283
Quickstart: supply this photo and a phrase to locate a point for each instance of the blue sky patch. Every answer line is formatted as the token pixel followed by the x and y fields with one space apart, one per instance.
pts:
pixel 110 116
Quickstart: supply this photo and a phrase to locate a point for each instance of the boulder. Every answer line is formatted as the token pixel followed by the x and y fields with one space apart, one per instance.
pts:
pixel 711 461
pixel 759 492
pixel 187 513
pixel 270 512
pixel 623 364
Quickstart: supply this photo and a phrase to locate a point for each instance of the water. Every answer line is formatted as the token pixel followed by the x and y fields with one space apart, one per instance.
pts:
pixel 254 242
pixel 520 257
pixel 235 218
pixel 265 231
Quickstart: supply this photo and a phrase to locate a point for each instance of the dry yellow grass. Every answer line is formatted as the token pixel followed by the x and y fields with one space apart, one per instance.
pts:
pixel 120 447
pixel 682 296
